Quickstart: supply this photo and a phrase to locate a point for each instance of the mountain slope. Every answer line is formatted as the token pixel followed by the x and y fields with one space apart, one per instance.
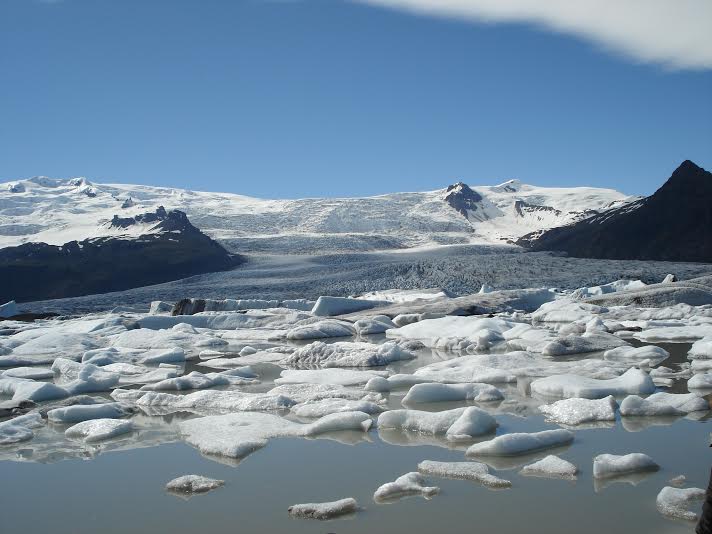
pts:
pixel 673 224
pixel 165 247
pixel 57 211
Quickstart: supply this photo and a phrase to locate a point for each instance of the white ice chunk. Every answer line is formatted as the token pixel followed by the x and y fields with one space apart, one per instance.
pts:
pixel 378 384
pixel 84 412
pixel 633 381
pixel 347 354
pixel 236 435
pixel 611 465
pixel 409 484
pixel 322 407
pixel 474 471
pixel 521 443
pixel 550 467
pixel 322 329
pixel 588 342
pixel 577 411
pixel 324 510
pixel 662 404
pixel 215 400
pixel 330 306
pixel 373 325
pixel 343 377
pixel 23 389
pixel 196 380
pixel 193 484
pixel 458 424
pixel 566 311
pixel 636 355
pixel 674 502
pixel 30 373
pixel 700 381
pixel 434 392
pixel 98 429
pixel 701 349
pixel 20 428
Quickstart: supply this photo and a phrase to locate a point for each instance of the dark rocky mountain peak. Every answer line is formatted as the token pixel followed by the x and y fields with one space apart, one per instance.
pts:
pixel 673 224
pixel 463 198
pixel 166 221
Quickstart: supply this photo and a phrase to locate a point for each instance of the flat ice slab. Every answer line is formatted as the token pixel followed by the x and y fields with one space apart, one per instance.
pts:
pixel 579 411
pixel 98 429
pixel 193 484
pixel 521 443
pixel 675 502
pixel 474 471
pixel 550 467
pixel 236 435
pixel 433 392
pixel 611 465
pixel 405 485
pixel 324 510
pixel 632 382
pixel 663 404
pixel 458 424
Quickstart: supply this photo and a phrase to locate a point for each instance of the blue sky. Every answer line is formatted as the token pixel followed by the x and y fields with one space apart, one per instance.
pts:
pixel 337 98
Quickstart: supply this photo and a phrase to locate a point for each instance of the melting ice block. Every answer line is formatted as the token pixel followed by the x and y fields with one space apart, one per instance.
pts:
pixel 521 443
pixel 324 510
pixel 409 484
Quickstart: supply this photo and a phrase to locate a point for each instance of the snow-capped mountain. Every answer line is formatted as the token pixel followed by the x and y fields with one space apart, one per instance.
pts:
pixel 56 211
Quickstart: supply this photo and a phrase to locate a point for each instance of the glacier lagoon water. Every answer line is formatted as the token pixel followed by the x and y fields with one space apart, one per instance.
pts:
pixel 118 486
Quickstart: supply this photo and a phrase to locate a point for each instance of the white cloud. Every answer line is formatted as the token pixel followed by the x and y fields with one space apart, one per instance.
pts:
pixel 675 33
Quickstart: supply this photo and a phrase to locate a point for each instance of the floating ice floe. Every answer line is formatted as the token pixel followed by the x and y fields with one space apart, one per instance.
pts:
pixel 236 435
pixel 85 412
pixel 189 484
pixel 324 510
pixel 405 485
pixel 550 467
pixel 701 349
pixel 343 377
pixel 457 425
pixel 213 400
pixel 565 310
pixel 44 345
pixel 314 392
pixel 23 389
pixel 79 378
pixel 632 382
pixel 30 373
pixel 321 329
pixel 576 411
pixel 636 355
pixel 434 392
pixel 19 428
pixel 505 368
pixel 611 465
pixel 612 287
pixel 474 471
pixel 177 336
pixel 588 342
pixel 196 380
pixel 675 502
pixel 322 407
pixel 378 384
pixel 99 429
pixel 347 354
pixel 675 334
pixel 455 332
pixel 700 381
pixel 521 443
pixel 373 325
pixel 663 404
pixel 330 306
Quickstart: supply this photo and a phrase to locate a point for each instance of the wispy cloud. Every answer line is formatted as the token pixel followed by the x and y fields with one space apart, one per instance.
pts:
pixel 674 33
